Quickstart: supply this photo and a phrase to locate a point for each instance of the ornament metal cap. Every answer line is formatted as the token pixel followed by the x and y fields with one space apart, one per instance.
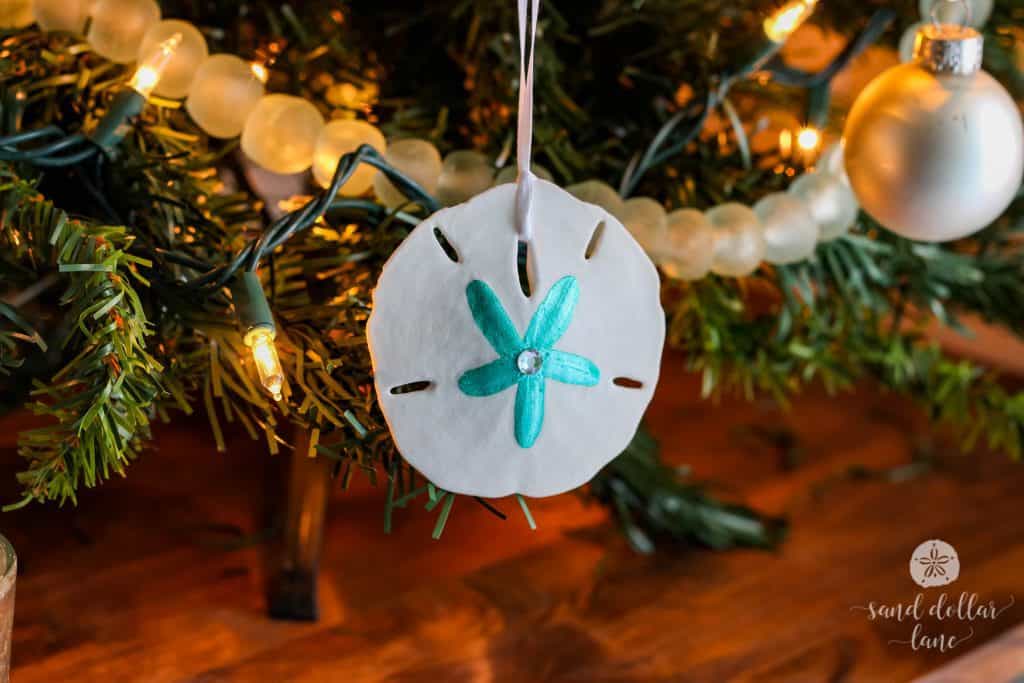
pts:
pixel 949 49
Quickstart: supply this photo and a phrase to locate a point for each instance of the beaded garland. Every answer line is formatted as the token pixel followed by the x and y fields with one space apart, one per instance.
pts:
pixel 226 98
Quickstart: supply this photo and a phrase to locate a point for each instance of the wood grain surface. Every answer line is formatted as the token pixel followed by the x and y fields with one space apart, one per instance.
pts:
pixel 161 576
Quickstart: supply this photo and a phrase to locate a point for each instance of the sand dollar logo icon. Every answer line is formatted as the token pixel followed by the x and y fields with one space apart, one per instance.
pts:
pixel 934 563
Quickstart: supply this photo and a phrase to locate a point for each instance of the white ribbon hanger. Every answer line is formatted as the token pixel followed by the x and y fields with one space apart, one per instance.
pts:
pixel 524 131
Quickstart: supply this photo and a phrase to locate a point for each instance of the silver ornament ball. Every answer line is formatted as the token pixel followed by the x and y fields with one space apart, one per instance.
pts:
pixel 934 155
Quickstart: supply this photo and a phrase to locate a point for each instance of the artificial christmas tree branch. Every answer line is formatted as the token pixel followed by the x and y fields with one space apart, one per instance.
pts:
pixel 829 319
pixel 100 398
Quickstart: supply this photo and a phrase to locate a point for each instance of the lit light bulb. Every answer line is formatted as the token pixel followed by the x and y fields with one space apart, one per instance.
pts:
pixel 259 71
pixel 148 73
pixel 264 355
pixel 781 25
pixel 786 143
pixel 808 139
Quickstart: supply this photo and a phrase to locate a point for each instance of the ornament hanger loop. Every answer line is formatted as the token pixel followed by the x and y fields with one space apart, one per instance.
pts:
pixel 528 10
pixel 949 48
pixel 937 14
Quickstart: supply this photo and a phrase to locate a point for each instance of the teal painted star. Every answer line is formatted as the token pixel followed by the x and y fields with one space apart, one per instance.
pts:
pixel 526 361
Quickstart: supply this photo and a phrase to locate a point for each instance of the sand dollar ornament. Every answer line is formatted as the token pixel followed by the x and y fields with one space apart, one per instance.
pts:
pixel 516 338
pixel 490 392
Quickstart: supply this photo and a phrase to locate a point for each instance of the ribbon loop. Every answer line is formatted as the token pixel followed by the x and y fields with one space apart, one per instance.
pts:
pixel 528 10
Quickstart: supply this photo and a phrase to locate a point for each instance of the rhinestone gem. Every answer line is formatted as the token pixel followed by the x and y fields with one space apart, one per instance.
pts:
pixel 529 361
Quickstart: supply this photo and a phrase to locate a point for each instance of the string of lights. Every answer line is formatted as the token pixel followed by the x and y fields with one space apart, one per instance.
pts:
pixel 51 147
pixel 670 140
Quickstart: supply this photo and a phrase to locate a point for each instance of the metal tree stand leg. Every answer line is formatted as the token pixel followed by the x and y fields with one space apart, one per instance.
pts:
pixel 293 591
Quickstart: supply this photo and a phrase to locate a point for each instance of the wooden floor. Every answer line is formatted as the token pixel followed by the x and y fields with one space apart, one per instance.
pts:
pixel 161 577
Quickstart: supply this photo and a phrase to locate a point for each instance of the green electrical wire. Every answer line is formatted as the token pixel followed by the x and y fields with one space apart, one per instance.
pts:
pixel 660 151
pixel 286 227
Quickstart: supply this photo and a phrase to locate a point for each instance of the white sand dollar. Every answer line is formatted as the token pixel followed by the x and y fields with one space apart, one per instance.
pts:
pixel 463 407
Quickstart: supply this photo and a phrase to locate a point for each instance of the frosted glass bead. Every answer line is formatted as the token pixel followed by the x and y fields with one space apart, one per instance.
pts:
pixel 118 26
pixel 739 242
pixel 280 134
pixel 598 193
pixel 831 161
pixel 15 13
pixel 223 93
pixel 464 174
pixel 339 138
pixel 790 231
pixel 646 221
pixel 689 245
pixel 415 158
pixel 830 201
pixel 185 60
pixel 61 15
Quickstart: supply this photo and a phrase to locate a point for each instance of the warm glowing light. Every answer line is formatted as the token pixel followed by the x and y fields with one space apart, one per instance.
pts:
pixel 264 355
pixel 145 80
pixel 147 75
pixel 808 139
pixel 786 143
pixel 259 71
pixel 781 25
